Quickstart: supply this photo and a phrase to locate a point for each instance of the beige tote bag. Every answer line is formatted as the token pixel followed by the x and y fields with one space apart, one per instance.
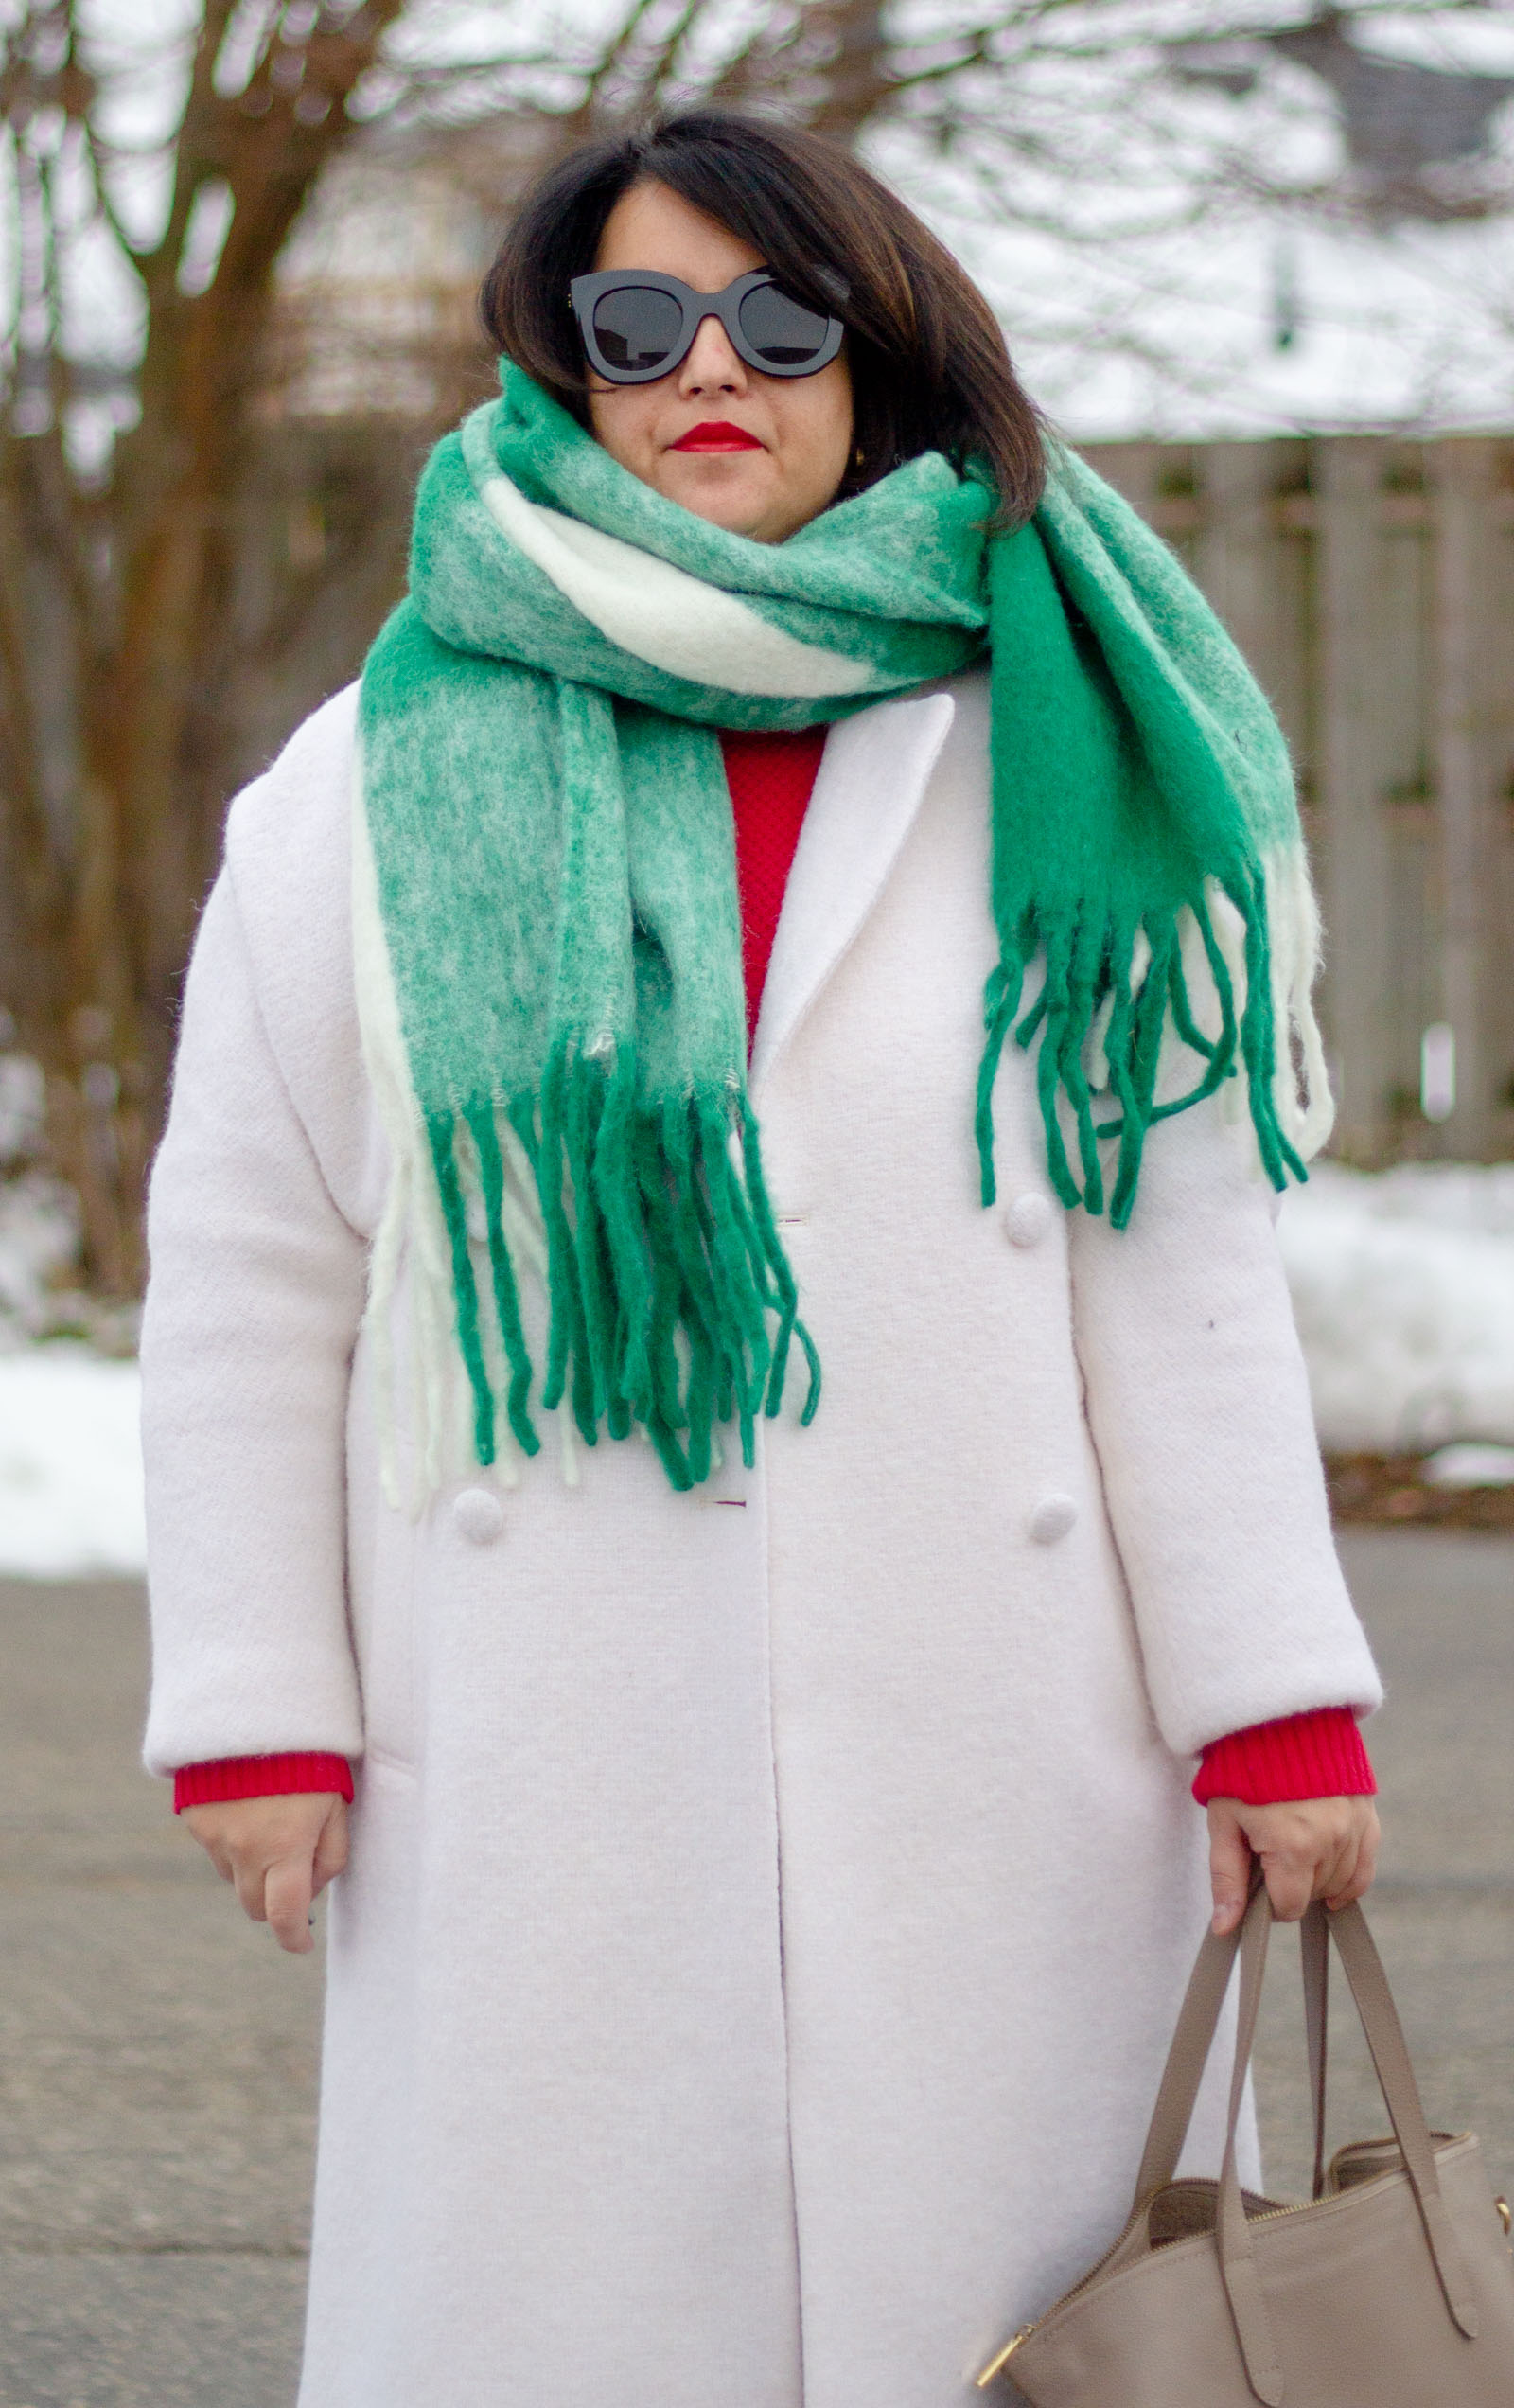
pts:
pixel 1394 2288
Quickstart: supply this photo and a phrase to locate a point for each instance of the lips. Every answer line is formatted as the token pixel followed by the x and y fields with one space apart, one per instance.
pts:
pixel 717 435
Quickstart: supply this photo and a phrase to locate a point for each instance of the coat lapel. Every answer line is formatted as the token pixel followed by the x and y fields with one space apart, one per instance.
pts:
pixel 871 780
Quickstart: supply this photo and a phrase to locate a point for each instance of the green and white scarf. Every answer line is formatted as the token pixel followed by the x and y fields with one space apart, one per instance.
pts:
pixel 547 927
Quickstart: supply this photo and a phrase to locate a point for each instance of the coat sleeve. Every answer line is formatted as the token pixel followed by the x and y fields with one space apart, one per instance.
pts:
pixel 1199 1406
pixel 254 1302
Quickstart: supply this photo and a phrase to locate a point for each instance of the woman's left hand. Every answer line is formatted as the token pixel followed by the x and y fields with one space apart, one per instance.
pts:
pixel 1309 1848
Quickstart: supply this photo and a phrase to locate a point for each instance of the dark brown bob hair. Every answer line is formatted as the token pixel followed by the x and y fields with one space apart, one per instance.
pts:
pixel 929 368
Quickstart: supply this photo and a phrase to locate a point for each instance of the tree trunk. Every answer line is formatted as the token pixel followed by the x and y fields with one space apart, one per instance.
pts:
pixel 111 606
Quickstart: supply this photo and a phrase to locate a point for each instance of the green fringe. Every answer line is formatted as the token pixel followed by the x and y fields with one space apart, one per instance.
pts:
pixel 1086 968
pixel 672 1304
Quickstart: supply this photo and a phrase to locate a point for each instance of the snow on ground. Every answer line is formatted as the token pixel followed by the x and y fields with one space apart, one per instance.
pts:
pixel 70 1456
pixel 1404 1284
pixel 39 1243
pixel 70 1464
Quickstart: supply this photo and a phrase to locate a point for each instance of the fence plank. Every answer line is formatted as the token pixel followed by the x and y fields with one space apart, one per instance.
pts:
pixel 1370 583
pixel 1463 481
pixel 1355 864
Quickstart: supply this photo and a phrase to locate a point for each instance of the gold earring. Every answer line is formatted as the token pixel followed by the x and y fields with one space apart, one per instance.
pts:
pixel 857 457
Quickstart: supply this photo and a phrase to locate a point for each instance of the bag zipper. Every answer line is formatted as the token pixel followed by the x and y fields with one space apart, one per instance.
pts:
pixel 1003 2359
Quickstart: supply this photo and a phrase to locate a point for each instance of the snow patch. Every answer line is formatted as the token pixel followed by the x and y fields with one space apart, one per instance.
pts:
pixel 70 1465
pixel 39 1248
pixel 1403 1288
pixel 1469 1465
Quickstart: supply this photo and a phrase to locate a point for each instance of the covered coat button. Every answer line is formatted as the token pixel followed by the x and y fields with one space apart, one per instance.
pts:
pixel 1053 1519
pixel 478 1515
pixel 1027 1219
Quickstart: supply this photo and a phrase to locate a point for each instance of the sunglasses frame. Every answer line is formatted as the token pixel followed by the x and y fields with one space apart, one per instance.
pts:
pixel 585 293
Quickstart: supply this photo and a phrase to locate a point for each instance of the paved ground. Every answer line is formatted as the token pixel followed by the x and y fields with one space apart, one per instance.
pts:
pixel 157 2054
pixel 1440 1608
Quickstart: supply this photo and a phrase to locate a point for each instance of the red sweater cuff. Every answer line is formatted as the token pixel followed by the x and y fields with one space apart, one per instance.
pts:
pixel 1317 1755
pixel 227 1776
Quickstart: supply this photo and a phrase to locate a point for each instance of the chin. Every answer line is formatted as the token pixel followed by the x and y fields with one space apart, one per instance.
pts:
pixel 733 501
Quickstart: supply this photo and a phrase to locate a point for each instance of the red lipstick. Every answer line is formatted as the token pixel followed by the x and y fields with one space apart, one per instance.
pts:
pixel 717 435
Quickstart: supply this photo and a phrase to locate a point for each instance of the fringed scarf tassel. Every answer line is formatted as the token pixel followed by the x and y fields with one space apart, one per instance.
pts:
pixel 671 1300
pixel 1110 991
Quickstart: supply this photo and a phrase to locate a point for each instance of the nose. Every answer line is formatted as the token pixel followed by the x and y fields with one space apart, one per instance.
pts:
pixel 712 365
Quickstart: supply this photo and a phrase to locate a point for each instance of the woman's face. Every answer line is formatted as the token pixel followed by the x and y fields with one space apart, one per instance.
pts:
pixel 791 436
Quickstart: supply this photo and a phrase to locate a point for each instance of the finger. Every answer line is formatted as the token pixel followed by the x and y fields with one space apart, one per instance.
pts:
pixel 1348 1893
pixel 1366 1867
pixel 331 1848
pixel 1229 1866
pixel 1350 1873
pixel 1290 1884
pixel 288 1899
pixel 1362 1874
pixel 250 1873
pixel 203 1829
pixel 1336 1871
pixel 1333 1849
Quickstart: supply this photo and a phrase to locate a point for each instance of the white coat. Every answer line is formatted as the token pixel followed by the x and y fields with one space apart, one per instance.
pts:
pixel 767 1907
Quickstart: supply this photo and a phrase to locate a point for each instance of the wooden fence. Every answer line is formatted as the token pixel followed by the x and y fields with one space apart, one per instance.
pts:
pixel 1370 583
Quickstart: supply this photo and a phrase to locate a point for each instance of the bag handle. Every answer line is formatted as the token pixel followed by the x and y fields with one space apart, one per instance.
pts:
pixel 1315 1958
pixel 1198 2019
pixel 1193 2037
pixel 1191 2041
pixel 1238 2266
pixel 1364 1970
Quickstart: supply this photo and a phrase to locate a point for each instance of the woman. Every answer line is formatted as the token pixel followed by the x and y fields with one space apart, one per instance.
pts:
pixel 771 1873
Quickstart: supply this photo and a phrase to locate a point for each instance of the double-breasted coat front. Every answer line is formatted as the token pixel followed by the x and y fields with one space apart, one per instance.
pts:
pixel 767 1906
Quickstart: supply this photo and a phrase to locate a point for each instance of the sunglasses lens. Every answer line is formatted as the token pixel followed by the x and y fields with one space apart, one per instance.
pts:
pixel 780 331
pixel 636 328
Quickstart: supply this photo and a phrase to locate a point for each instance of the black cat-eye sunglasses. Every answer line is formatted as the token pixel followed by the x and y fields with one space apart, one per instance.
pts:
pixel 637 324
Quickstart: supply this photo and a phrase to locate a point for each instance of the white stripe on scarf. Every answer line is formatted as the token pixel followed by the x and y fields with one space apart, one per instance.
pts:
pixel 662 615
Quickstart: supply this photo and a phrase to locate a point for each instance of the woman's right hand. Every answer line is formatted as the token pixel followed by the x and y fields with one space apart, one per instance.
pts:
pixel 280 1852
